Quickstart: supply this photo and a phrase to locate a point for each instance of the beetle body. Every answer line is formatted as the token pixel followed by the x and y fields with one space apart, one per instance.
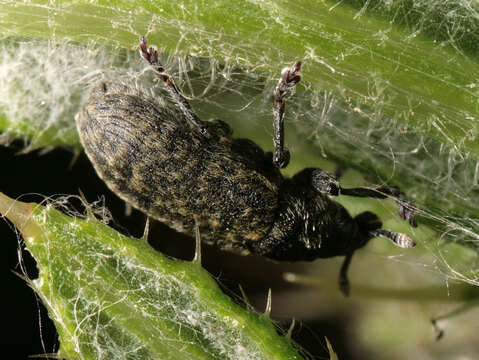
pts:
pixel 157 155
pixel 147 153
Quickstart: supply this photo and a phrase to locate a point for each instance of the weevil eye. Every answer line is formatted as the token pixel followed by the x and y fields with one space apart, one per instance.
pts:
pixel 325 183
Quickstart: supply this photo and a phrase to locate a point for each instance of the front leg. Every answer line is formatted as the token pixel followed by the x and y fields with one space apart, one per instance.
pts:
pixel 327 184
pixel 405 207
pixel 289 78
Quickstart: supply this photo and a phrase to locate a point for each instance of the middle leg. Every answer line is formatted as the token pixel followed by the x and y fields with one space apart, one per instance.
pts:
pixel 289 78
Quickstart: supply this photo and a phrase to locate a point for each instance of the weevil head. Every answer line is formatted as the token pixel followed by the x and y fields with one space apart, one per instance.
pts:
pixel 311 225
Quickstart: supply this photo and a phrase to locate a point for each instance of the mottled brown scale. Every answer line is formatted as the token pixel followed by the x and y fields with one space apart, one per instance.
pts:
pixel 150 157
pixel 157 155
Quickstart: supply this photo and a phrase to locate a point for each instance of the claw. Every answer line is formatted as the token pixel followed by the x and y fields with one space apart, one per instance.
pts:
pixel 290 76
pixel 150 54
pixel 344 286
pixel 406 211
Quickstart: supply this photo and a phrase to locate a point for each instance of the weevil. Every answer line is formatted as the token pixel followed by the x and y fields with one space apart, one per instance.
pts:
pixel 160 157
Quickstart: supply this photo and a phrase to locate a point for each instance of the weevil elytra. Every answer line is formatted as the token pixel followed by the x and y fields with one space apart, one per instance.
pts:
pixel 157 155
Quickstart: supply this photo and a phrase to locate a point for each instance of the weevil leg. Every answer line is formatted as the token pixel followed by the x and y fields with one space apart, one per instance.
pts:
pixel 439 332
pixel 289 78
pixel 343 275
pixel 146 231
pixel 197 258
pixel 151 55
pixel 128 209
pixel 405 207
pixel 328 184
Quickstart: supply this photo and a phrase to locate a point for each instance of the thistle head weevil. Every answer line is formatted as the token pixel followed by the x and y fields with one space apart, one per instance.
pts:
pixel 160 157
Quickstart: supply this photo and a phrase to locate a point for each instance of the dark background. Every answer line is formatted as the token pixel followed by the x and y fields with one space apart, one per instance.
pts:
pixel 26 328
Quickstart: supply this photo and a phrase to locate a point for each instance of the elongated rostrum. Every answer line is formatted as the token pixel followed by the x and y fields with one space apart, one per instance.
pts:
pixel 160 157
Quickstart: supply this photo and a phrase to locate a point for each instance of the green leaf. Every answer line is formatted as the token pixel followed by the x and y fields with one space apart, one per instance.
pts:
pixel 112 297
